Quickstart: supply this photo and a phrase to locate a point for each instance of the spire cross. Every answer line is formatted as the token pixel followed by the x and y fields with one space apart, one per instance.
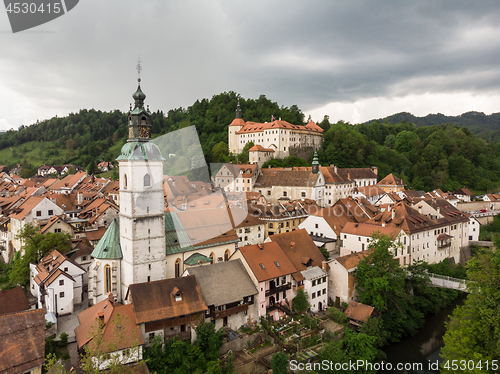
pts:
pixel 139 69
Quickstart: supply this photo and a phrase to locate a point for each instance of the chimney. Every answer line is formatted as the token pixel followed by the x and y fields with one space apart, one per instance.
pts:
pixel 324 266
pixel 383 224
pixel 335 169
pixel 439 210
pixel 389 208
pixel 393 214
pixel 375 170
pixel 420 209
pixel 292 244
pixel 349 176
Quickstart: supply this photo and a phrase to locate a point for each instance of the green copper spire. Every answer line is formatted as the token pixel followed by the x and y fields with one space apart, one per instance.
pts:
pixel 315 164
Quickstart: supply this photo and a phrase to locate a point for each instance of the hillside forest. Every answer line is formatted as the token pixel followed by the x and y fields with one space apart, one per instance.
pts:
pixel 427 156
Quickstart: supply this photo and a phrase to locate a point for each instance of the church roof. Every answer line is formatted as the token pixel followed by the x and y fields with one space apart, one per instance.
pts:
pixel 195 259
pixel 138 150
pixel 109 245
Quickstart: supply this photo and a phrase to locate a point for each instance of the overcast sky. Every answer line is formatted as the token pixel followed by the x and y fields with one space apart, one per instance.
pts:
pixel 351 60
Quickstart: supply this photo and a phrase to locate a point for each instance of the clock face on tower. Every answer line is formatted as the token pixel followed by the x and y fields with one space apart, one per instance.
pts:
pixel 143 132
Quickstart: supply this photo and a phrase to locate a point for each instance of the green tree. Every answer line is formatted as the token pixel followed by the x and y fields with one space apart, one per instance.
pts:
pixel 300 302
pixel 209 340
pixel 220 152
pixel 35 246
pixel 92 167
pixel 354 346
pixel 381 283
pixel 473 332
pixel 279 363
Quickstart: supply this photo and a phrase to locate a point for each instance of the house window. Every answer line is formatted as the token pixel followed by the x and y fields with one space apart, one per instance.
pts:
pixel 38 213
pixel 284 193
pixel 51 212
pixel 107 278
pixel 61 295
pixel 61 282
pixel 303 194
pixel 151 336
pixel 84 258
pixel 268 193
pixel 226 254
pixel 57 231
pixel 324 291
pixel 271 225
pixel 316 225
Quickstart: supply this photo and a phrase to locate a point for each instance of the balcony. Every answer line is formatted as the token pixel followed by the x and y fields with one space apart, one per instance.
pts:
pixel 444 245
pixel 275 290
pixel 217 314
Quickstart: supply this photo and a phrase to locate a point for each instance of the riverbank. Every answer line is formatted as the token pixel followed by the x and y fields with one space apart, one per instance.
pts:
pixel 425 346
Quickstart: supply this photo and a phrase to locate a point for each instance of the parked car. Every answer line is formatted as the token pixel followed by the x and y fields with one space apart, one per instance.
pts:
pixel 483 210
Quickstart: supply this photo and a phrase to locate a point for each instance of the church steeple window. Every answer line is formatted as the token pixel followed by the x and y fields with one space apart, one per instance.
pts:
pixel 147 180
pixel 125 181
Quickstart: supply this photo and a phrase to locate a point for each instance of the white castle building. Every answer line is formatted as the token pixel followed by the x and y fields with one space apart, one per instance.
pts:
pixel 278 136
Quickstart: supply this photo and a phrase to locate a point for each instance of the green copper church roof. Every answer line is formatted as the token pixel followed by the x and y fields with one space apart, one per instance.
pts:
pixel 108 247
pixel 195 259
pixel 176 238
pixel 140 150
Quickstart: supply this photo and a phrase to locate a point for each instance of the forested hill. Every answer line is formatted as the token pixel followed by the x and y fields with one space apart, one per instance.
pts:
pixel 484 126
pixel 426 156
pixel 90 135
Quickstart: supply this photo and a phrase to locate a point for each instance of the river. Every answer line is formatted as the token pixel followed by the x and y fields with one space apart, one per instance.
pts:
pixel 424 348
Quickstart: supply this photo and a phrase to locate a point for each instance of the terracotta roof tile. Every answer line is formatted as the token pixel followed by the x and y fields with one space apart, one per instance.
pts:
pixel 267 261
pixel 154 301
pixel 22 342
pixel 13 300
pixel 360 312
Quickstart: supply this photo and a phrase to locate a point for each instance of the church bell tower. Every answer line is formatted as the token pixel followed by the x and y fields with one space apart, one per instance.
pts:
pixel 142 213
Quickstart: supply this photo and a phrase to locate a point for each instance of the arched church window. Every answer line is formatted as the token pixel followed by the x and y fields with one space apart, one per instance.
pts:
pixel 125 181
pixel 107 278
pixel 147 180
pixel 226 255
pixel 178 268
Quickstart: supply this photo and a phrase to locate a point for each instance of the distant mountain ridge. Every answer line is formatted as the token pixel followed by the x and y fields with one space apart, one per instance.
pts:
pixel 482 125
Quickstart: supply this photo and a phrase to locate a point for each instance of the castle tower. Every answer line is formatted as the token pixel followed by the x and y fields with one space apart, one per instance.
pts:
pixel 142 216
pixel 234 127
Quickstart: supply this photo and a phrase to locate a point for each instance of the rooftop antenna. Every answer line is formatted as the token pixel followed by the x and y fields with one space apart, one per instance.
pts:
pixel 139 69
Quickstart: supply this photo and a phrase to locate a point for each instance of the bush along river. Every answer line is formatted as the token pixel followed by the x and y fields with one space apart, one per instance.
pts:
pixel 421 353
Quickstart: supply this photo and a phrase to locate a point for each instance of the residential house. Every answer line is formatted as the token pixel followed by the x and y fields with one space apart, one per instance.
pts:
pixel 104 166
pixel 249 228
pixel 271 272
pixel 371 193
pixel 310 264
pixel 342 277
pixel 359 313
pixel 228 305
pixel 68 183
pixel 22 343
pixel 110 333
pixel 57 283
pixel 236 178
pixel 36 210
pixel 391 183
pixel 464 194
pixel 170 307
pixel 278 218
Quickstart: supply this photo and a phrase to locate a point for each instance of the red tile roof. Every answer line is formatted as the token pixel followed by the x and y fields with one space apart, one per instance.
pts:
pixel 360 312
pixel 13 300
pixel 119 331
pixel 155 301
pixel 22 341
pixel 267 261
